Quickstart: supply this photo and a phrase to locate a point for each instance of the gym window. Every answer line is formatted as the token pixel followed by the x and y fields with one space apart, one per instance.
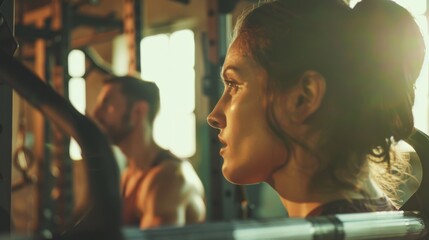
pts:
pixel 168 60
pixel 77 92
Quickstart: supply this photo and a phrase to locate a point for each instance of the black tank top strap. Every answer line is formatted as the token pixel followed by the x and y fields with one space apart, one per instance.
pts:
pixel 162 156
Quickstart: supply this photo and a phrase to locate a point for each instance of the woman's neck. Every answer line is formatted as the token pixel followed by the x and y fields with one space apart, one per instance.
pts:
pixel 294 185
pixel 303 209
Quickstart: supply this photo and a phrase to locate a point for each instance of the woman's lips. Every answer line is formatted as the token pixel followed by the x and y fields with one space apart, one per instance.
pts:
pixel 222 149
pixel 222 141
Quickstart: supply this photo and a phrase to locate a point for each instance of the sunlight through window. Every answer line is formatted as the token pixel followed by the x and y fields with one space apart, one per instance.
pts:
pixel 416 7
pixel 120 56
pixel 168 60
pixel 421 104
pixel 77 92
pixel 76 62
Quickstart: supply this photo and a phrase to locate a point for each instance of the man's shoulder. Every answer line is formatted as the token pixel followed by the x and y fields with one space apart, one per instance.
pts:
pixel 172 173
pixel 171 181
pixel 173 169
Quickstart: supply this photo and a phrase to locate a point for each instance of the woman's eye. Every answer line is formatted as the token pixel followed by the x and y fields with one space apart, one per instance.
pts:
pixel 231 86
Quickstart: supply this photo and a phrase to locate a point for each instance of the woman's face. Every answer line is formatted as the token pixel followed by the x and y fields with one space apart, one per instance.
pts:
pixel 250 150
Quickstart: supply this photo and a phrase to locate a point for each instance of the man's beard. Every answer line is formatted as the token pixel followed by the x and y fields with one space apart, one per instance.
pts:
pixel 117 135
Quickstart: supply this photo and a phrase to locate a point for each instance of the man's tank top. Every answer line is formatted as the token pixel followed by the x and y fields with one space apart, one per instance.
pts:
pixel 130 214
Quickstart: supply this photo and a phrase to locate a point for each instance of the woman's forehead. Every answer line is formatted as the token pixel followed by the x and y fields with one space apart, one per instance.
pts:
pixel 238 57
pixel 240 45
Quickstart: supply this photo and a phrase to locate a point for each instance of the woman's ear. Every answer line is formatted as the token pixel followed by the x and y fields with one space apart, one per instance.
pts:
pixel 308 95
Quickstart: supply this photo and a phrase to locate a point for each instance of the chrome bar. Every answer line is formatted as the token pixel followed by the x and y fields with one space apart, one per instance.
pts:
pixel 362 226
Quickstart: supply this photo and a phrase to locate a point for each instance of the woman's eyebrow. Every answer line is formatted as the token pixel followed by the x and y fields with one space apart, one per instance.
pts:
pixel 228 67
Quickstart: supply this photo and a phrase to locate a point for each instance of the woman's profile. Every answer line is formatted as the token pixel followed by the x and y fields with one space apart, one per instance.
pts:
pixel 316 96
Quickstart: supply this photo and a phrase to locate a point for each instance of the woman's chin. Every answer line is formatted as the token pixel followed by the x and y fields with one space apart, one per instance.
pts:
pixel 235 176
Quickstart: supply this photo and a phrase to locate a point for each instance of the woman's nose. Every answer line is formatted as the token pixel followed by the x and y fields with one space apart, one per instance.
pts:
pixel 216 120
pixel 212 122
